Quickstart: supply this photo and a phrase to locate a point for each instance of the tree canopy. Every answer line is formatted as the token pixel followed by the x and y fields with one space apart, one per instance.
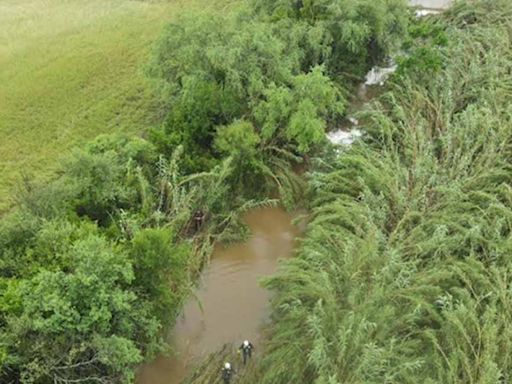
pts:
pixel 403 276
pixel 95 264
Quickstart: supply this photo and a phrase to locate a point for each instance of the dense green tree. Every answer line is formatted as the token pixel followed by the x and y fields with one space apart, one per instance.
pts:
pixel 218 70
pixel 347 36
pixel 299 113
pixel 17 234
pixel 104 175
pixel 88 283
pixel 240 141
pixel 161 271
pixel 77 323
pixel 214 69
pixel 95 181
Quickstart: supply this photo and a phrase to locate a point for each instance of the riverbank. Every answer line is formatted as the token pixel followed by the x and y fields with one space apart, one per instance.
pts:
pixel 402 273
pixel 73 70
pixel 96 263
pixel 229 305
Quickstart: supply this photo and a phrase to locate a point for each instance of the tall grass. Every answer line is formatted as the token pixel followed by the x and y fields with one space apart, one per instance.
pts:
pixel 70 70
pixel 403 276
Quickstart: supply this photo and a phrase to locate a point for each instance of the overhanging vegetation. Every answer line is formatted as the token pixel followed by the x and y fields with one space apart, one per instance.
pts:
pixel 404 274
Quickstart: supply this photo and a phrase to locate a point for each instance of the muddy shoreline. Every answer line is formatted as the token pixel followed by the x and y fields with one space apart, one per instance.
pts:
pixel 230 305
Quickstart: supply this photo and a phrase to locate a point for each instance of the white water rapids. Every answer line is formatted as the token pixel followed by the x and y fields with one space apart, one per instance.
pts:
pixel 378 75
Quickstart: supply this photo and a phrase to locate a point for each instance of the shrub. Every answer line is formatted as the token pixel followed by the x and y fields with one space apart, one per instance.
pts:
pixel 161 271
pixel 78 323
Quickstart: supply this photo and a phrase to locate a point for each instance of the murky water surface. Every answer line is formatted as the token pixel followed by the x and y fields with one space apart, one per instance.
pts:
pixel 234 306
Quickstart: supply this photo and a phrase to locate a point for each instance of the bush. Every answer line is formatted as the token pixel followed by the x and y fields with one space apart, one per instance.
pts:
pixel 215 69
pixel 299 114
pixel 72 321
pixel 17 234
pixel 161 271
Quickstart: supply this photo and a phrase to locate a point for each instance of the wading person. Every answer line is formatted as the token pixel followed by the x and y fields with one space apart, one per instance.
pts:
pixel 227 373
pixel 246 349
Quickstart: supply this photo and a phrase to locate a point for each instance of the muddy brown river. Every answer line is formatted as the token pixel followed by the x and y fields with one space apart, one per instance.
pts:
pixel 233 304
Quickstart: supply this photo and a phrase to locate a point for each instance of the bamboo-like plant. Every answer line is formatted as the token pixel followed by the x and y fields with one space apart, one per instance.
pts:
pixel 403 275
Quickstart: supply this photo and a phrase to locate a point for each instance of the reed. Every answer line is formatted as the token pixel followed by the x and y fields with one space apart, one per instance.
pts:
pixel 403 275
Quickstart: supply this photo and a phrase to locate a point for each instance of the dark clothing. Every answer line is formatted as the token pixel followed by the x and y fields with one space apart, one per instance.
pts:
pixel 246 351
pixel 226 375
pixel 199 219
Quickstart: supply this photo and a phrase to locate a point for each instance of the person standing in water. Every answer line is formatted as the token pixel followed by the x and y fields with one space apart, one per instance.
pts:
pixel 246 349
pixel 227 373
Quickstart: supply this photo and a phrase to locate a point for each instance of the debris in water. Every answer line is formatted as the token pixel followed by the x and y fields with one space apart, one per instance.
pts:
pixel 379 75
pixel 341 137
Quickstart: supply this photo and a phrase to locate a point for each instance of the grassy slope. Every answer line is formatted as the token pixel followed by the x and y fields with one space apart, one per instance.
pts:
pixel 72 69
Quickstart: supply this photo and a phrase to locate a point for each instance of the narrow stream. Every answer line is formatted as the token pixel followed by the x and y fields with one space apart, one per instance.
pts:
pixel 234 306
pixel 348 131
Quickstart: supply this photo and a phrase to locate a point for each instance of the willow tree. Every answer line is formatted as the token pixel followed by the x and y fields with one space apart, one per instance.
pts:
pixel 403 276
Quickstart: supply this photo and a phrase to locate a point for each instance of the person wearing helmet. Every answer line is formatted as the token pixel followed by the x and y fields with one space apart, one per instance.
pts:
pixel 246 349
pixel 227 373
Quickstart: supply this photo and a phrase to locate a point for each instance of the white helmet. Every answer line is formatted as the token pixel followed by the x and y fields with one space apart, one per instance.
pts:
pixel 227 366
pixel 246 343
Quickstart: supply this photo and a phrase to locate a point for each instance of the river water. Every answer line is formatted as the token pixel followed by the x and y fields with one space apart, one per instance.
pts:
pixel 234 306
pixel 348 131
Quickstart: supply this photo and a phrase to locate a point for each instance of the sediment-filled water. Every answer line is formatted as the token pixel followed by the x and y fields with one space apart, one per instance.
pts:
pixel 233 304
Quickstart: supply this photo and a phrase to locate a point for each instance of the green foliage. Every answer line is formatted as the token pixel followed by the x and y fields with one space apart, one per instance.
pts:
pixel 104 175
pixel 299 113
pixel 192 119
pixel 214 69
pixel 89 283
pixel 423 50
pixel 238 140
pixel 95 181
pixel 19 233
pixel 222 51
pixel 96 263
pixel 345 35
pixel 79 322
pixel 161 271
pixel 276 72
pixel 403 274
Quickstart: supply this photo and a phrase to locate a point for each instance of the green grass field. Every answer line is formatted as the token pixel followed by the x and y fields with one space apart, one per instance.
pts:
pixel 72 69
